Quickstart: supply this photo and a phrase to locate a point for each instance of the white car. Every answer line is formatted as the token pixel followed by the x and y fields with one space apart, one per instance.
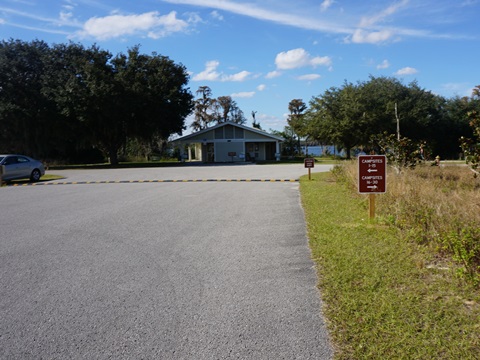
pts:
pixel 20 167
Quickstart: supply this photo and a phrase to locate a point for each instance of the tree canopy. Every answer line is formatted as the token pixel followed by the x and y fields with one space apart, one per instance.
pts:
pixel 55 100
pixel 349 115
pixel 209 110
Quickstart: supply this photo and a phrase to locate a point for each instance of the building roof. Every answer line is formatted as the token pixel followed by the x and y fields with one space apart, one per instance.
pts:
pixel 254 130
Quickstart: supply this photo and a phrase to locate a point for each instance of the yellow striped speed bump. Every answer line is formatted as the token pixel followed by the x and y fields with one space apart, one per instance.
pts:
pixel 148 181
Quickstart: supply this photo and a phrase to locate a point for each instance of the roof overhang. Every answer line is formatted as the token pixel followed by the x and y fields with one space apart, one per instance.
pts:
pixel 254 130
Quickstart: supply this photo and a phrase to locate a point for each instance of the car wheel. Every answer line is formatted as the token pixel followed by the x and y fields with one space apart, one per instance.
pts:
pixel 35 176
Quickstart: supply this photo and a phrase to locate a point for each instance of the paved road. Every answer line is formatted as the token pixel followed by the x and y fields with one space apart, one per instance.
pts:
pixel 210 270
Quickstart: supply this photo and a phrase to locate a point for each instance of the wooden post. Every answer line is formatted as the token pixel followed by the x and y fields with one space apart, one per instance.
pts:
pixel 309 174
pixel 372 206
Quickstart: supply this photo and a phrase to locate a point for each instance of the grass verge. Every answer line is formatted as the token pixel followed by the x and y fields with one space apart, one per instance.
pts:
pixel 380 301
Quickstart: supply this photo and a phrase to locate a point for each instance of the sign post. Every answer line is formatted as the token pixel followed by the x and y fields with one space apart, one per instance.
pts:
pixel 309 164
pixel 372 177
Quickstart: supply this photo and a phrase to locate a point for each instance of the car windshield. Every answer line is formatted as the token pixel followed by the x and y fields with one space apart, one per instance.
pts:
pixel 1 158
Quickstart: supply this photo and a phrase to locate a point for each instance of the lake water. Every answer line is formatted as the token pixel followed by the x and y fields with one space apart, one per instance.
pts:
pixel 322 150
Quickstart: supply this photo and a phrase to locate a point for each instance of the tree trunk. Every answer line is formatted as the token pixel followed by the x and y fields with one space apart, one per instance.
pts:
pixel 347 150
pixel 113 156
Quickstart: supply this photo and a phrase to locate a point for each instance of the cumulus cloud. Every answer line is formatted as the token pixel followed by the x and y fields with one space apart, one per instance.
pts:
pixel 273 74
pixel 245 94
pixel 261 87
pixel 211 74
pixel 298 58
pixel 309 77
pixel 406 71
pixel 151 23
pixel 383 65
pixel 241 76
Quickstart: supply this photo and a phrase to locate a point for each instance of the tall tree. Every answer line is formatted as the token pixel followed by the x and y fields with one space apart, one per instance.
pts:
pixel 225 103
pixel 236 114
pixel 296 119
pixel 205 108
pixel 338 117
pixel 25 112
pixel 156 94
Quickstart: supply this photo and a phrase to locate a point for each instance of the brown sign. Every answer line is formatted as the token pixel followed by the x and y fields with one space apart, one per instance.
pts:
pixel 309 163
pixel 372 174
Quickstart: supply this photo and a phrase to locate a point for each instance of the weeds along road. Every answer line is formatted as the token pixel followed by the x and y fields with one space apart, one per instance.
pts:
pixel 207 270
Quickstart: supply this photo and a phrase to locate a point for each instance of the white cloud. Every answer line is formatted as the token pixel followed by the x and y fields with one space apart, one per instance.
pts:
pixel 309 77
pixel 383 65
pixel 244 94
pixel 406 71
pixel 364 33
pixel 297 58
pixel 193 18
pixel 273 74
pixel 392 9
pixel 326 4
pixel 216 15
pixel 241 76
pixel 261 87
pixel 321 61
pixel 65 16
pixel 151 23
pixel 332 25
pixel 264 14
pixel 210 74
pixel 361 36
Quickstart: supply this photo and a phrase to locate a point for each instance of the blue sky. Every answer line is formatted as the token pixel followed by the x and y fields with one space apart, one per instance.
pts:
pixel 265 53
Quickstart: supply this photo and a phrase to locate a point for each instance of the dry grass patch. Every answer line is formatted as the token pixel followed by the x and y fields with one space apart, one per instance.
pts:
pixel 437 207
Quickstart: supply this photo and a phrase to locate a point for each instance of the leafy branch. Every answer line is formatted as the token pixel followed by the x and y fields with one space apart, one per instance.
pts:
pixel 471 147
pixel 401 152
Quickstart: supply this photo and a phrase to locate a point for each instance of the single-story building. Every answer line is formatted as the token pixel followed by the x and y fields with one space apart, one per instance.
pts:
pixel 229 142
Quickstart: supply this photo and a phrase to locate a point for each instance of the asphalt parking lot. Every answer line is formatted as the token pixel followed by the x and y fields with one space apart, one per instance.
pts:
pixel 172 270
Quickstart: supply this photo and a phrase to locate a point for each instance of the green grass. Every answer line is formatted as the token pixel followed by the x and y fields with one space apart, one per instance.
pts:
pixel 381 300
